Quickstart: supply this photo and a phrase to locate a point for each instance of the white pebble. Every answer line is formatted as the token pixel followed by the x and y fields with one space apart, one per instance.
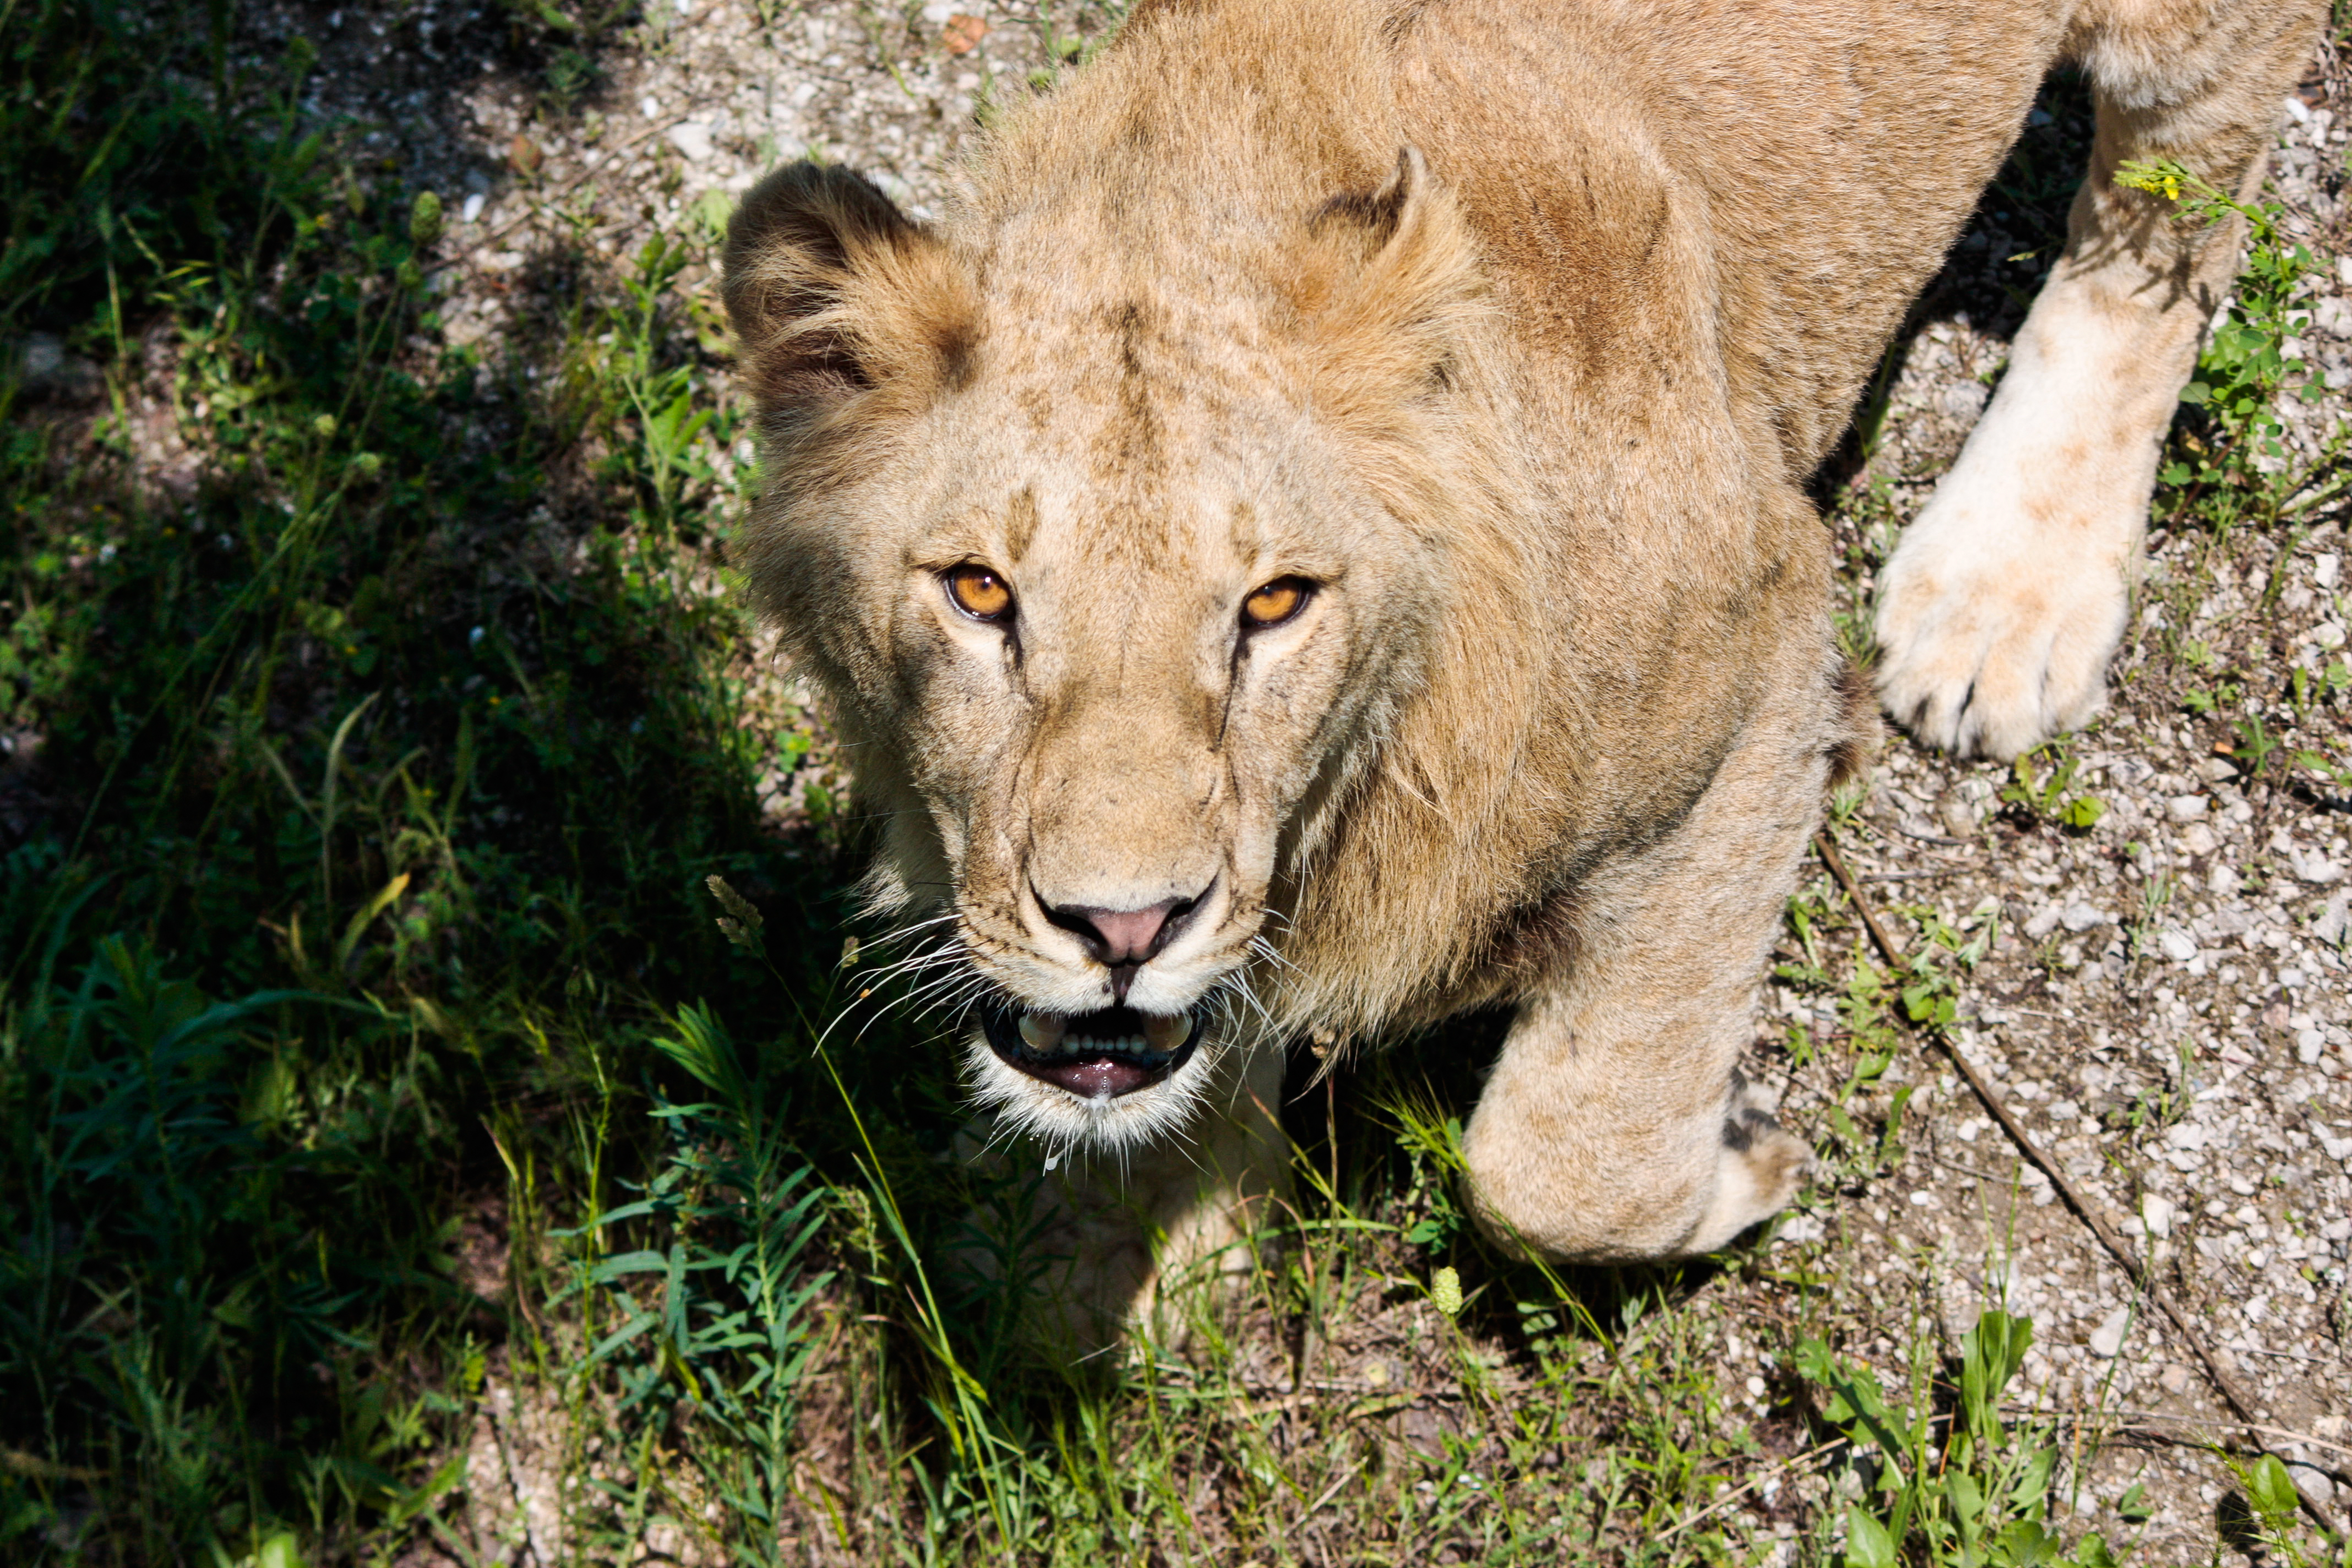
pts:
pixel 2311 866
pixel 2107 1339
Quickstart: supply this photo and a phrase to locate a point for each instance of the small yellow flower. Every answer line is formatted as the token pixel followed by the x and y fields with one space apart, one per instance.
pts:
pixel 1445 1292
pixel 2172 187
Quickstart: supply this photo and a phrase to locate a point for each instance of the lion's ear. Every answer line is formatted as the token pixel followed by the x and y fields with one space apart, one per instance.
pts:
pixel 834 293
pixel 1398 279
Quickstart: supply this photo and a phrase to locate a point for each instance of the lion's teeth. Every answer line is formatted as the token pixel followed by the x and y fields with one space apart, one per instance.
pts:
pixel 1047 1033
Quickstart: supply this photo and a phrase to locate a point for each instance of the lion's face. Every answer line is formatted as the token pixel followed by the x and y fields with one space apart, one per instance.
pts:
pixel 1112 610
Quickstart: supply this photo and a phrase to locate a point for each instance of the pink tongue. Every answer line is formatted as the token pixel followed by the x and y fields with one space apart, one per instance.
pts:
pixel 1095 1077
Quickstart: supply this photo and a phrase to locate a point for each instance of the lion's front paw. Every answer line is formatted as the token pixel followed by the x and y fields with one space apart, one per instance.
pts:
pixel 1759 1169
pixel 1995 625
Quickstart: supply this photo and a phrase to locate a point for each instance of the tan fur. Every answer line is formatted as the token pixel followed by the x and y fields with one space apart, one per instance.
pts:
pixel 1518 328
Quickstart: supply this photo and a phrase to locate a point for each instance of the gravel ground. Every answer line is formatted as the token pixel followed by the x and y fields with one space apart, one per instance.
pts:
pixel 2165 996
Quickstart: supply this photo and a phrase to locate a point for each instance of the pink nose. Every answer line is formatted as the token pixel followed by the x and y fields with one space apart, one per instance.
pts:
pixel 1119 936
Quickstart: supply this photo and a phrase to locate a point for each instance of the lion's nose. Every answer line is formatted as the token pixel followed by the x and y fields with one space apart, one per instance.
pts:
pixel 1117 937
pixel 1124 941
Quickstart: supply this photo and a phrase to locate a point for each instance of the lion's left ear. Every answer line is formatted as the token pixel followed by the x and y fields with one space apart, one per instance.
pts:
pixel 836 296
pixel 1395 277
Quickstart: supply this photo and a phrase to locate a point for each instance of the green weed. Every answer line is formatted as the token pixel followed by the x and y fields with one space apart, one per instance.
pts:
pixel 2154 896
pixel 710 1332
pixel 218 1242
pixel 2244 360
pixel 1962 1486
pixel 372 723
pixel 2038 797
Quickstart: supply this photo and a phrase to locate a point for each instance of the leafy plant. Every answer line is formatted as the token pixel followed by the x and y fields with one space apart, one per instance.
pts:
pixel 1807 912
pixel 2244 360
pixel 214 1244
pixel 2271 1501
pixel 1431 1139
pixel 397 721
pixel 716 1320
pixel 2155 895
pixel 2255 747
pixel 2325 767
pixel 670 462
pixel 1963 1487
pixel 2221 696
pixel 2051 796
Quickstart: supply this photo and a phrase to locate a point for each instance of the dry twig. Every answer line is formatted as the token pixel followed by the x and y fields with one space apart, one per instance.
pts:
pixel 2135 1266
pixel 2130 1421
pixel 1782 1468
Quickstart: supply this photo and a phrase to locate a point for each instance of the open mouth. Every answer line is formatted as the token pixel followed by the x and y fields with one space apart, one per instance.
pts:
pixel 1095 1055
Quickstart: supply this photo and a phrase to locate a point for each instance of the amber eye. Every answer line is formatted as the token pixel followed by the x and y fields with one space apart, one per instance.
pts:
pixel 980 592
pixel 1276 603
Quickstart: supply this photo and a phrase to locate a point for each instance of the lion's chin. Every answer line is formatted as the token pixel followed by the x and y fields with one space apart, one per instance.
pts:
pixel 1107 1078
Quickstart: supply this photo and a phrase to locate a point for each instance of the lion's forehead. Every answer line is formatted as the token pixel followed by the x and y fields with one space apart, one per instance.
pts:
pixel 1142 566
pixel 1194 347
pixel 1174 492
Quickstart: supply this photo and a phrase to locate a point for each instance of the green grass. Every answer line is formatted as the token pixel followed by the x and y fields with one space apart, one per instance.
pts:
pixel 409 1021
pixel 380 769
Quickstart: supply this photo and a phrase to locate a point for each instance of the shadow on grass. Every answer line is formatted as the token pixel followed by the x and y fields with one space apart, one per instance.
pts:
pixel 373 725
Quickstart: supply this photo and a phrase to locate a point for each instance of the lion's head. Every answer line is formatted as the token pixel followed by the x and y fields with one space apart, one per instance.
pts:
pixel 1117 537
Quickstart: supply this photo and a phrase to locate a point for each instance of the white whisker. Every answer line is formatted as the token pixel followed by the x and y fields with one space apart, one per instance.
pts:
pixel 905 932
pixel 1266 949
pixel 915 962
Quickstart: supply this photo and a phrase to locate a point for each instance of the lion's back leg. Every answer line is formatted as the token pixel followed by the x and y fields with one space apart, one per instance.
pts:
pixel 2003 601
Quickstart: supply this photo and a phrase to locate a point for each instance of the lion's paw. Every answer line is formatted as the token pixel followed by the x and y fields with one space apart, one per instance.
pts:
pixel 1995 624
pixel 1759 1170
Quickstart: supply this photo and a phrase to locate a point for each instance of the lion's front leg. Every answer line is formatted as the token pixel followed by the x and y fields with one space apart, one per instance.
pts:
pixel 2004 599
pixel 1615 1126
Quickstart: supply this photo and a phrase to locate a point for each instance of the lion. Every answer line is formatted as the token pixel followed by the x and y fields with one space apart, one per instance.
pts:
pixel 1317 541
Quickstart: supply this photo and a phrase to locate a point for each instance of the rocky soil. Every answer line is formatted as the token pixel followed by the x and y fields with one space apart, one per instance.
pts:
pixel 2166 996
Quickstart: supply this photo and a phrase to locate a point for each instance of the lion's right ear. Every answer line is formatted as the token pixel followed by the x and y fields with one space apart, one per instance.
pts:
pixel 836 296
pixel 1389 282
